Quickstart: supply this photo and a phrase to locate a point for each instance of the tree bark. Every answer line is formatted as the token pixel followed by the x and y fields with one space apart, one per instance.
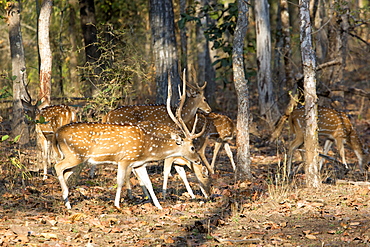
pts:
pixel 287 50
pixel 243 169
pixel 309 70
pixel 268 107
pixel 164 49
pixel 73 63
pixel 45 51
pixel 92 52
pixel 19 73
pixel 206 72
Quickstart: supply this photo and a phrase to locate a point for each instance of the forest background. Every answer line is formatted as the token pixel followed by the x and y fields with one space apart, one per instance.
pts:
pixel 125 72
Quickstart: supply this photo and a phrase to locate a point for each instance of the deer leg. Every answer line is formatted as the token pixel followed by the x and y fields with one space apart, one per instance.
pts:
pixel 202 155
pixel 181 171
pixel 122 177
pixel 293 146
pixel 143 188
pixel 340 147
pixel 218 145
pixel 230 154
pixel 60 168
pixel 128 183
pixel 166 173
pixel 143 175
pixel 327 146
pixel 44 145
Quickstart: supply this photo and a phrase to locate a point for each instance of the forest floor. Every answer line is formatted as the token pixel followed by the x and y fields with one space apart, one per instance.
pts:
pixel 262 212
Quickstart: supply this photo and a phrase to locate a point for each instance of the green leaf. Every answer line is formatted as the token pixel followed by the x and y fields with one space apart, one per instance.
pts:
pixel 4 138
pixel 17 138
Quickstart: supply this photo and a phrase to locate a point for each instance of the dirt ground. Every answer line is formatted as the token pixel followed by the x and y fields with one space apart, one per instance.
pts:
pixel 262 212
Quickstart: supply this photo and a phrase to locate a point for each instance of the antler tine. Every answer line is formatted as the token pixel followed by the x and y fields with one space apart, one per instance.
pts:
pixel 195 124
pixel 178 121
pixel 203 87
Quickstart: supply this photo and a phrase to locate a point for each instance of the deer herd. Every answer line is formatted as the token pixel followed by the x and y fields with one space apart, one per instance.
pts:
pixel 132 136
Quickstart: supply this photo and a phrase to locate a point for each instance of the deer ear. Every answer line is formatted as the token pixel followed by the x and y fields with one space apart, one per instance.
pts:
pixel 191 93
pixel 177 138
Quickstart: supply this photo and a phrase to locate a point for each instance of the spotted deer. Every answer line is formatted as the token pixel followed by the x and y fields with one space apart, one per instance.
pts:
pixel 191 100
pixel 335 126
pixel 163 130
pixel 127 145
pixel 48 119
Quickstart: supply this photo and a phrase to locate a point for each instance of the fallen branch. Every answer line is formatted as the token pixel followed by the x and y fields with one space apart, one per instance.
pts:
pixel 238 241
pixel 359 183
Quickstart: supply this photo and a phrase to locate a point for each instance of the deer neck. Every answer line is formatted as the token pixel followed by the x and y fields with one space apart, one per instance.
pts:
pixel 157 148
pixel 189 110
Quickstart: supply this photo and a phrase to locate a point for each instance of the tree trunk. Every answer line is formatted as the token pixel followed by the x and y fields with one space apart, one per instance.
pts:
pixel 19 73
pixel 268 107
pixel 184 41
pixel 309 69
pixel 206 71
pixel 243 169
pixel 45 51
pixel 338 39
pixel 287 50
pixel 73 62
pixel 164 49
pixel 92 52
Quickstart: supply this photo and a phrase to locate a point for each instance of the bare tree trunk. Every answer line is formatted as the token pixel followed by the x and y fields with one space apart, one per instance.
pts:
pixel 92 52
pixel 206 71
pixel 19 73
pixel 73 62
pixel 268 107
pixel 287 50
pixel 184 40
pixel 338 39
pixel 243 169
pixel 45 51
pixel 309 70
pixel 164 48
pixel 278 73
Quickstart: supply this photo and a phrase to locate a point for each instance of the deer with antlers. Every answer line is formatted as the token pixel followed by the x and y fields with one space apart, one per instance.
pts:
pixel 48 119
pixel 127 145
pixel 190 101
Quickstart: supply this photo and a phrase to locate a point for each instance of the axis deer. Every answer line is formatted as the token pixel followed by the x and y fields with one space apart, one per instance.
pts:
pixel 128 146
pixel 164 131
pixel 332 124
pixel 143 115
pixel 158 113
pixel 220 128
pixel 48 119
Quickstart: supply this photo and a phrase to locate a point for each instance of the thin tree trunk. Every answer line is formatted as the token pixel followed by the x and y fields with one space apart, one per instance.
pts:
pixel 206 71
pixel 243 169
pixel 73 63
pixel 164 49
pixel 287 50
pixel 184 41
pixel 45 51
pixel 19 73
pixel 309 70
pixel 92 52
pixel 268 107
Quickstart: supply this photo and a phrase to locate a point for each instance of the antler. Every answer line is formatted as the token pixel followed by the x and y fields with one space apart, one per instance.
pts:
pixel 197 87
pixel 178 119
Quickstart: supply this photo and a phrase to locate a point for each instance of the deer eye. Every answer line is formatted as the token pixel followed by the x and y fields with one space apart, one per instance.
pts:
pixel 192 149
